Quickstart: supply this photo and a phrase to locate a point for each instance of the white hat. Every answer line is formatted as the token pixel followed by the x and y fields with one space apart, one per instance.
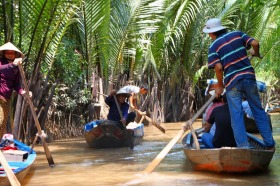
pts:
pixel 213 25
pixel 123 91
pixel 10 46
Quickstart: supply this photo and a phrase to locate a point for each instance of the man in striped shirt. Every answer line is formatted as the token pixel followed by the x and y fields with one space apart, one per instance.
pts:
pixel 228 56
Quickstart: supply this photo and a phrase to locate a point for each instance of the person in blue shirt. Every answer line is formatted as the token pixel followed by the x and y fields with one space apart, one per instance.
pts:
pixel 228 56
pixel 124 106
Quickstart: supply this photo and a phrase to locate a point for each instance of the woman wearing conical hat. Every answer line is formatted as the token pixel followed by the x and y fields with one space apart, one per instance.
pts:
pixel 10 58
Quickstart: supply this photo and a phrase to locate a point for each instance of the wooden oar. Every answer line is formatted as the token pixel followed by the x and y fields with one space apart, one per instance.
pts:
pixel 10 174
pixel 33 144
pixel 47 151
pixel 118 106
pixel 131 145
pixel 168 147
pixel 151 121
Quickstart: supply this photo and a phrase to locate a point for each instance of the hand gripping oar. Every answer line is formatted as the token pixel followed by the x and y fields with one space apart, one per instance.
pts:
pixel 10 174
pixel 168 147
pixel 47 151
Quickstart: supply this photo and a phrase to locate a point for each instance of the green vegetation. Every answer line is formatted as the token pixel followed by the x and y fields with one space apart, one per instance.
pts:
pixel 159 42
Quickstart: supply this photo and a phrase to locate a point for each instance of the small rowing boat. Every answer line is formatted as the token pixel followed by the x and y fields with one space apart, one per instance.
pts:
pixel 20 159
pixel 227 159
pixel 111 134
pixel 251 126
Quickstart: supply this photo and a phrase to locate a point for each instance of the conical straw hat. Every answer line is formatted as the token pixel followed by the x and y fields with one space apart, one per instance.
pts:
pixel 123 91
pixel 10 46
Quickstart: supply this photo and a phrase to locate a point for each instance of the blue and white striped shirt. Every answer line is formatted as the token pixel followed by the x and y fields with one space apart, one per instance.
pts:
pixel 229 49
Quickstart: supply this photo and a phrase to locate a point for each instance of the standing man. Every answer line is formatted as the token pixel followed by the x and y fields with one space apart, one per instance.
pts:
pixel 133 91
pixel 228 56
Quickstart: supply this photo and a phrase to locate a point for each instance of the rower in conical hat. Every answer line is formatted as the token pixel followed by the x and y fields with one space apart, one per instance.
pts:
pixel 10 59
pixel 10 47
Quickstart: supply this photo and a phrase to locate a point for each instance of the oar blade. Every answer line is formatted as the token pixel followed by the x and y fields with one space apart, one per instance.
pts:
pixel 158 126
pixel 48 153
pixel 169 146
pixel 163 153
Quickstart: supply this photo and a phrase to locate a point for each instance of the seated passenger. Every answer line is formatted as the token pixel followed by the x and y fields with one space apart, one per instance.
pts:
pixel 124 106
pixel 223 134
pixel 216 102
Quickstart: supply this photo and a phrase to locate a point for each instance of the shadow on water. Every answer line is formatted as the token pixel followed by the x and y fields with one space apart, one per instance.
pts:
pixel 78 164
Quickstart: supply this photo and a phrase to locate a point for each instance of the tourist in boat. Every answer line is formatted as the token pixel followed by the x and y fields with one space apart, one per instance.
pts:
pixel 221 134
pixel 133 91
pixel 124 106
pixel 216 102
pixel 10 58
pixel 228 56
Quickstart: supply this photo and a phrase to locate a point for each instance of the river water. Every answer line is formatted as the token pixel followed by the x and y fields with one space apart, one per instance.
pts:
pixel 78 164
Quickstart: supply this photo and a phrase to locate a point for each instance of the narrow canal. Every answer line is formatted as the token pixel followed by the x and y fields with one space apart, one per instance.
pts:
pixel 77 164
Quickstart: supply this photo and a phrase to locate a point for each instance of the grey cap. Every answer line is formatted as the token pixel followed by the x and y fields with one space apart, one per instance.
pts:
pixel 144 86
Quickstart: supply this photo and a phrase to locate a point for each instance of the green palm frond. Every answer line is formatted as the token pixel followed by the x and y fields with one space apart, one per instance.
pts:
pixel 180 14
pixel 58 28
pixel 95 25
pixel 177 31
pixel 132 24
pixel 42 26
pixel 270 45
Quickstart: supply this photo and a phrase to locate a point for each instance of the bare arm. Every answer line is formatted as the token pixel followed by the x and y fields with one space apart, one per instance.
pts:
pixel 207 127
pixel 219 89
pixel 256 48
pixel 131 101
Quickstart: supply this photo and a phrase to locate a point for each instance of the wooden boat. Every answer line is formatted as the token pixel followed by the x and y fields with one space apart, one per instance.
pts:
pixel 251 126
pixel 274 109
pixel 110 134
pixel 20 161
pixel 227 159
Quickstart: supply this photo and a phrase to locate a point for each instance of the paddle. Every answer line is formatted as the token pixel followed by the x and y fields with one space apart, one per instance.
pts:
pixel 118 106
pixel 33 144
pixel 47 151
pixel 168 147
pixel 120 113
pixel 151 121
pixel 10 174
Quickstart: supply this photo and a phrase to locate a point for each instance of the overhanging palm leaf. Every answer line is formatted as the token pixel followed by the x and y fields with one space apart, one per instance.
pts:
pixel 132 24
pixel 93 24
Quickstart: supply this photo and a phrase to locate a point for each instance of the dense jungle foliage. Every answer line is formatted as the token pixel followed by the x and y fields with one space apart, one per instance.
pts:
pixel 78 50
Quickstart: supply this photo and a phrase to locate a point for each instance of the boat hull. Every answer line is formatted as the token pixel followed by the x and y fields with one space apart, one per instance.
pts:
pixel 109 134
pixel 251 126
pixel 228 159
pixel 20 169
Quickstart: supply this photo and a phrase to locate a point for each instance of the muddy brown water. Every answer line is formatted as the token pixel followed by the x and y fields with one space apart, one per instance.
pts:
pixel 78 164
